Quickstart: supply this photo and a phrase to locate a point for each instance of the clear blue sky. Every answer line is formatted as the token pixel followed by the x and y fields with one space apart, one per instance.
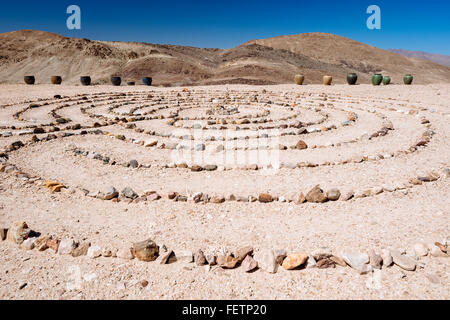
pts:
pixel 412 25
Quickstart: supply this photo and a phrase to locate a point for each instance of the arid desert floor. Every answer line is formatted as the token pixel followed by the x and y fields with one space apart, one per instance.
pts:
pixel 222 168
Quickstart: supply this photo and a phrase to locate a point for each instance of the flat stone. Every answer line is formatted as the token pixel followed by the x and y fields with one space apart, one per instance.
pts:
pixel 249 264
pixel 81 250
pixel 301 145
pixel 227 262
pixel 217 199
pixel 199 258
pixel 294 260
pixel 94 252
pixel 338 260
pixel 66 246
pixel 358 261
pixel 41 243
pixel 265 198
pixel 316 195
pixel 53 244
pixel 436 252
pixel 403 261
pixel 111 193
pixel 420 249
pixel 184 256
pixel 333 194
pixel 243 252
pixel 146 250
pixel 18 232
pixel 266 260
pixel 125 253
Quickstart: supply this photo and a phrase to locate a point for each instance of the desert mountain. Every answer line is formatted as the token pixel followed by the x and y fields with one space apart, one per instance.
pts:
pixel 268 61
pixel 438 58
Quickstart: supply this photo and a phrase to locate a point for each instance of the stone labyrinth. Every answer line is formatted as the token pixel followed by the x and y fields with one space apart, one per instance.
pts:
pixel 216 145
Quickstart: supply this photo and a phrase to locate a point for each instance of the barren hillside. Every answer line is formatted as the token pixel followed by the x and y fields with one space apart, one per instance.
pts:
pixel 269 61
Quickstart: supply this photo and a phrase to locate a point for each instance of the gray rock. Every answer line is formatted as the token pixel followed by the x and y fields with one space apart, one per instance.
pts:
pixel 266 260
pixel 403 261
pixel 200 147
pixel 111 193
pixel 199 258
pixel 358 261
pixel 129 193
pixel 333 194
pixel 133 164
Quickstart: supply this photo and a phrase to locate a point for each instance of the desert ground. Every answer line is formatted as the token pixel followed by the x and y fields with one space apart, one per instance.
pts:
pixel 114 166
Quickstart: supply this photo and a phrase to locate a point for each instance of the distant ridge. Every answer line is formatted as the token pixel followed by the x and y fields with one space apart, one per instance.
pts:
pixel 265 61
pixel 438 58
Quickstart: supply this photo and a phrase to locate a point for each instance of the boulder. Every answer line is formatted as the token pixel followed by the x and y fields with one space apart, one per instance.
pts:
pixel 146 250
pixel 294 260
pixel 18 232
pixel 316 195
pixel 266 260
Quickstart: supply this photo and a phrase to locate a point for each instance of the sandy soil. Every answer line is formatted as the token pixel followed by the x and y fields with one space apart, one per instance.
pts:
pixel 396 219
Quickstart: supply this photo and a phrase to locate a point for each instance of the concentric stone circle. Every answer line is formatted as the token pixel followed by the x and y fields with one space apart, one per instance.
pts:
pixel 196 141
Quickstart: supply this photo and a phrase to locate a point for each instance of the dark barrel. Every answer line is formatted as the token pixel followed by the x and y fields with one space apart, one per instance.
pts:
pixel 352 78
pixel 85 81
pixel 116 81
pixel 29 79
pixel 147 81
pixel 56 80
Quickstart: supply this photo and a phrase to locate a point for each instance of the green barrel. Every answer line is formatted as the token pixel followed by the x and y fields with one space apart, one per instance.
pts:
pixel 376 79
pixel 386 80
pixel 352 78
pixel 407 79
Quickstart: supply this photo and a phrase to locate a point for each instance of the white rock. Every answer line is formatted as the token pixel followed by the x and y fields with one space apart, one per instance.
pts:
pixel 387 258
pixel 420 249
pixel 28 244
pixel 266 260
pixel 358 261
pixel 94 252
pixel 66 246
